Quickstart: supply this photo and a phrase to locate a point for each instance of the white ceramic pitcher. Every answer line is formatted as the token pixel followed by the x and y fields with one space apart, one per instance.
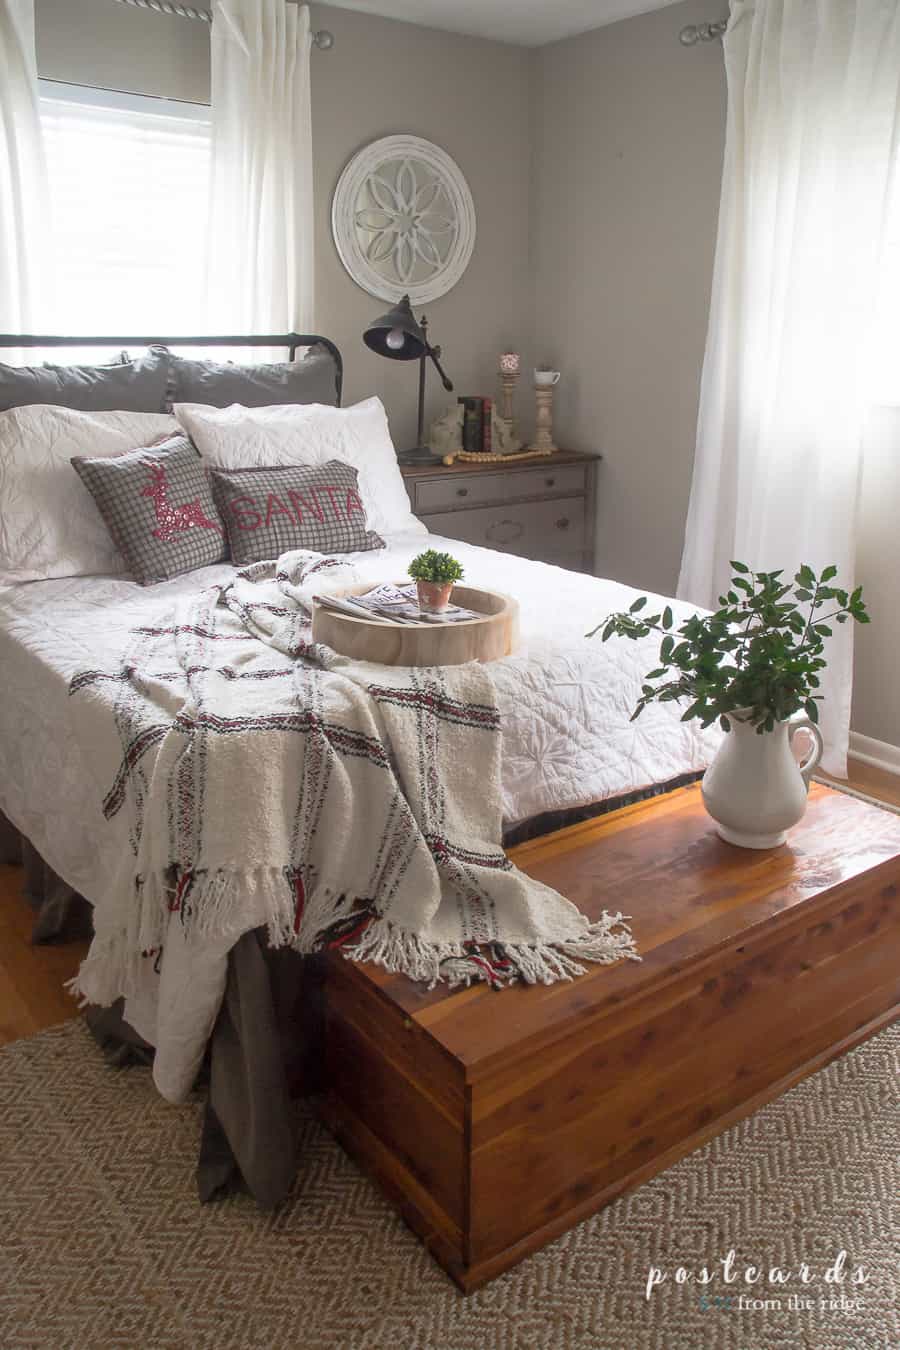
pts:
pixel 754 789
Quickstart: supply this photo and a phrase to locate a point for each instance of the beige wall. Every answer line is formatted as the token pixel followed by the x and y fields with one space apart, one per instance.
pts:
pixel 595 165
pixel 876 687
pixel 472 98
pixel 629 134
pixel 111 46
pixel 381 77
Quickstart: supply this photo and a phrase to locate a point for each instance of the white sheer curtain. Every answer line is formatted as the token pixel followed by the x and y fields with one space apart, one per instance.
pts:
pixel 810 161
pixel 23 179
pixel 261 194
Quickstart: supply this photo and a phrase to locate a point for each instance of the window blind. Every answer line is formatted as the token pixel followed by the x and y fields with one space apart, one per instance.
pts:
pixel 129 189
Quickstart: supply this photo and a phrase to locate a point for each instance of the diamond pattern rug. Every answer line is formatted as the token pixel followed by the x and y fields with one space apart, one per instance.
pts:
pixel 103 1244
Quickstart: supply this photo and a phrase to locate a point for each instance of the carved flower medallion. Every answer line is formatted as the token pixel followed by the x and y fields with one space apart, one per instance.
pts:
pixel 403 219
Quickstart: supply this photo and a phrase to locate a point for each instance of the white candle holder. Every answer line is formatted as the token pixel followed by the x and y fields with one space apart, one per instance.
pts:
pixel 545 382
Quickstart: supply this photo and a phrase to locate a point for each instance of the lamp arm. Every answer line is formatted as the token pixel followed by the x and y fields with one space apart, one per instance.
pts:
pixel 434 353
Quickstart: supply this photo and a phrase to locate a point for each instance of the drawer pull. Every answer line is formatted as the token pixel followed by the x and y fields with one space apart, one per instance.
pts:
pixel 462 492
pixel 499 531
pixel 550 482
pixel 562 523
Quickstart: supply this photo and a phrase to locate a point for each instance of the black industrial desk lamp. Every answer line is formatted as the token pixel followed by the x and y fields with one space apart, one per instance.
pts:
pixel 401 337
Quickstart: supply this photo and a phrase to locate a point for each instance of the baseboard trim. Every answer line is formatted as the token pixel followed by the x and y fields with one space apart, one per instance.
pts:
pixel 879 754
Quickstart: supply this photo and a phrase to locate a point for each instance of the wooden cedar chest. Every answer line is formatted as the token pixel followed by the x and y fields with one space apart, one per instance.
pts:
pixel 495 1121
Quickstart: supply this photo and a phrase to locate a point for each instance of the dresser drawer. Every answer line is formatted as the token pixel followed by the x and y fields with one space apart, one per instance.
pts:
pixel 528 529
pixel 479 488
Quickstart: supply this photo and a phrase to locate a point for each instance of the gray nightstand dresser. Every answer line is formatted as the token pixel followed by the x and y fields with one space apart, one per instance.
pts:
pixel 536 508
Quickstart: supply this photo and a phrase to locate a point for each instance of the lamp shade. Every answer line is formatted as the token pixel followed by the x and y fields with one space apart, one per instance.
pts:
pixel 397 334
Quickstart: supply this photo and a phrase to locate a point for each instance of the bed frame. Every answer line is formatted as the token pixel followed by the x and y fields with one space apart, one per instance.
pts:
pixel 273 1033
pixel 292 341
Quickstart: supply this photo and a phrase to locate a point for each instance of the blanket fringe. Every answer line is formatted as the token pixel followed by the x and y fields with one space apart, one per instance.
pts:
pixel 225 904
pixel 211 906
pixel 404 953
pixel 400 952
pixel 214 904
pixel 607 940
pixel 109 971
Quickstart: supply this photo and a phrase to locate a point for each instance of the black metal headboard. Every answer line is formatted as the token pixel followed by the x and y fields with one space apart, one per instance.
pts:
pixel 290 340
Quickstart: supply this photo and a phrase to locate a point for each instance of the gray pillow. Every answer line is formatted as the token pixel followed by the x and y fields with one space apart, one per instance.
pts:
pixel 123 359
pixel 269 511
pixel 219 384
pixel 158 508
pixel 129 386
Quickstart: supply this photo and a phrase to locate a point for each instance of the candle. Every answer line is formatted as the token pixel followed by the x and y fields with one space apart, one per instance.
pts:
pixel 510 363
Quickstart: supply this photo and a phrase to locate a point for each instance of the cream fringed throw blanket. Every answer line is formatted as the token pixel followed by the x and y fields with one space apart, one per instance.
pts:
pixel 267 781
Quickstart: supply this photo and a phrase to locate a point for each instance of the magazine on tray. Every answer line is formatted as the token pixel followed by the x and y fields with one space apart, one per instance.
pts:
pixel 388 603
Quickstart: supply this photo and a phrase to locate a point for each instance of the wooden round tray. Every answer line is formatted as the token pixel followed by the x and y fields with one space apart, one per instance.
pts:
pixel 492 635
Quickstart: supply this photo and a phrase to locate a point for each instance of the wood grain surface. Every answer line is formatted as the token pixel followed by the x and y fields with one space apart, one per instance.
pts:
pixel 544 509
pixel 463 468
pixel 492 635
pixel 32 979
pixel 756 968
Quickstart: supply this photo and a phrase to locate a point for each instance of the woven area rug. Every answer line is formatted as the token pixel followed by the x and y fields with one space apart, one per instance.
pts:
pixel 103 1244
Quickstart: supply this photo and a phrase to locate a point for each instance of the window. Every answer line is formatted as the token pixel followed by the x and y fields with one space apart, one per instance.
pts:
pixel 128 186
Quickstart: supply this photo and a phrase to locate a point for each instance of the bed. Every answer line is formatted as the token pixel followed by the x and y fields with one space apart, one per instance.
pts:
pixel 568 748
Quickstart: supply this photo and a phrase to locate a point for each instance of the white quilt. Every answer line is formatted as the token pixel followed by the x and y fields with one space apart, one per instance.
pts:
pixel 565 704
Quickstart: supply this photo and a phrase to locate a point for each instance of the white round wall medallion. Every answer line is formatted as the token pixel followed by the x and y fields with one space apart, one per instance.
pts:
pixel 403 219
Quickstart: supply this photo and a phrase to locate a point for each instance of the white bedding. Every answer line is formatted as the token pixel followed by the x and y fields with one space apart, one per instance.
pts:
pixel 565 704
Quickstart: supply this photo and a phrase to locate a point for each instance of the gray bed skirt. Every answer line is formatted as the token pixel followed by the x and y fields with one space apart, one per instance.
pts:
pixel 261 1053
pixel 60 915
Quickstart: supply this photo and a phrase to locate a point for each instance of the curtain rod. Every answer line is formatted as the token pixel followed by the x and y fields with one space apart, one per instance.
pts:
pixel 703 32
pixel 322 39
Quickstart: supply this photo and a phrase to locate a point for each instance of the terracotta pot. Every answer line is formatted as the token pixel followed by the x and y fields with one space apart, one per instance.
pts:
pixel 754 789
pixel 434 596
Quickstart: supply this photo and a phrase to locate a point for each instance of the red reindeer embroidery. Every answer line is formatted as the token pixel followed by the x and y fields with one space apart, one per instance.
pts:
pixel 170 520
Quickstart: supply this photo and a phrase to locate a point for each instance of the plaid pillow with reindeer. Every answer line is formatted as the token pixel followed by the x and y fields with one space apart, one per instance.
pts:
pixel 157 505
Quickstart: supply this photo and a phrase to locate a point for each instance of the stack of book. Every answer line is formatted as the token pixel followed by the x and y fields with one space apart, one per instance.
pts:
pixel 392 604
pixel 476 429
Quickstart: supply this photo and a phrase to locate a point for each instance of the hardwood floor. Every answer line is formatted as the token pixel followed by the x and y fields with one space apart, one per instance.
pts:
pixel 32 993
pixel 32 979
pixel 877 783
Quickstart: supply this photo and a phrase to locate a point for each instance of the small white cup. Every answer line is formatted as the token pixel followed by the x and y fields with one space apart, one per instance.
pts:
pixel 546 376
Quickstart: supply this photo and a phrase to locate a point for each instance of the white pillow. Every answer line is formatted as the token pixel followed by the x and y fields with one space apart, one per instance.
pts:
pixel 49 524
pixel 312 433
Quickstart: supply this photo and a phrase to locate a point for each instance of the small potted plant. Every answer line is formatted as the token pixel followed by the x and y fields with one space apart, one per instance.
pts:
pixel 434 574
pixel 754 667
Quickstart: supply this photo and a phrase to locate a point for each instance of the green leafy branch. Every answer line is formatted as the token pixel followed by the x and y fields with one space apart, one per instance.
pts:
pixel 759 655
